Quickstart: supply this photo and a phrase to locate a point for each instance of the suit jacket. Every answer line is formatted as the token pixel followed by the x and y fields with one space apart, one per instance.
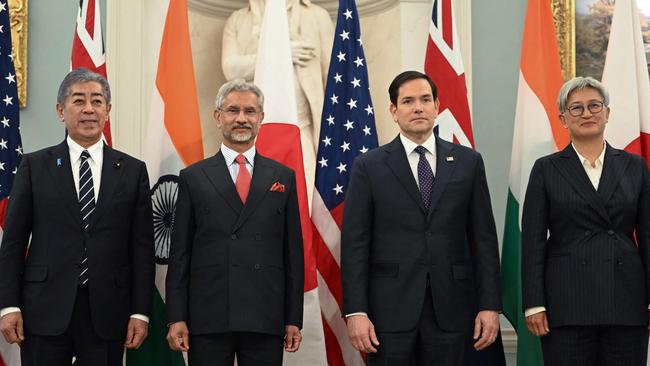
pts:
pixel 235 266
pixel 390 243
pixel 119 241
pixel 590 269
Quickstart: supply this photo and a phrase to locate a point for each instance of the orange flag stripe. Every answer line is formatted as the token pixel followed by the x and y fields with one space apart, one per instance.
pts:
pixel 540 63
pixel 177 87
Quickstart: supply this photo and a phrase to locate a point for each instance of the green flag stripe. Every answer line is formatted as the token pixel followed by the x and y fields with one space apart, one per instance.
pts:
pixel 155 350
pixel 529 350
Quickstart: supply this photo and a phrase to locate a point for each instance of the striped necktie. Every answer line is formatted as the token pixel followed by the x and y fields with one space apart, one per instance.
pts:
pixel 87 204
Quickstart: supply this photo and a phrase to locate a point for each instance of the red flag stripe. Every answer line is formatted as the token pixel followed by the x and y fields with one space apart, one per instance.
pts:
pixel 334 355
pixel 81 56
pixel 447 25
pixel 90 18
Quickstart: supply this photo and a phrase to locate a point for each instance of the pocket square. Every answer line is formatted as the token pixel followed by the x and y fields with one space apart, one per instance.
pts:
pixel 277 187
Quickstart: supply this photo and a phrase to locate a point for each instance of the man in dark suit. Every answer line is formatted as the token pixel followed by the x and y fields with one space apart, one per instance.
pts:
pixel 419 249
pixel 586 241
pixel 235 280
pixel 85 281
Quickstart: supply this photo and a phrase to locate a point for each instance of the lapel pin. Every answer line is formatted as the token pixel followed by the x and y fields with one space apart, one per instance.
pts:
pixel 118 164
pixel 450 158
pixel 58 161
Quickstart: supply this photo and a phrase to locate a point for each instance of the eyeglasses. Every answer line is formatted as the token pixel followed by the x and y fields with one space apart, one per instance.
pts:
pixel 577 110
pixel 233 112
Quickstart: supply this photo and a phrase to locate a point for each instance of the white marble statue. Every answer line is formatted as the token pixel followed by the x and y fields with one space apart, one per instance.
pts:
pixel 311 32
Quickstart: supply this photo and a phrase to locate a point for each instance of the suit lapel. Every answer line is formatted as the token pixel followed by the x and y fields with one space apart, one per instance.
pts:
pixel 614 165
pixel 399 165
pixel 60 169
pixel 263 176
pixel 444 169
pixel 570 167
pixel 112 171
pixel 218 174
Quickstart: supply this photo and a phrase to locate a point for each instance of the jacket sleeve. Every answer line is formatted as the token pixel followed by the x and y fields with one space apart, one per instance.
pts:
pixel 482 238
pixel 534 236
pixel 294 269
pixel 180 253
pixel 17 229
pixel 356 239
pixel 643 225
pixel 142 248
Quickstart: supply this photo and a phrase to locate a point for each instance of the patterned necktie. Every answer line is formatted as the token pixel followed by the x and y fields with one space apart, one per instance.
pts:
pixel 243 181
pixel 425 177
pixel 87 203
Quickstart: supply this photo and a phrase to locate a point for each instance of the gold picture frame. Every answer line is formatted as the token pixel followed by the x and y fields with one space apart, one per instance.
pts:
pixel 564 16
pixel 19 26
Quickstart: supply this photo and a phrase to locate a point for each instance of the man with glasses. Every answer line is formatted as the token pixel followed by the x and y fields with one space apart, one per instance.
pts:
pixel 586 241
pixel 235 280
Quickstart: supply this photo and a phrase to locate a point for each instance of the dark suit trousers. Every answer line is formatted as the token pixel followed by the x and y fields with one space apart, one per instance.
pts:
pixel 596 345
pixel 219 349
pixel 79 340
pixel 428 345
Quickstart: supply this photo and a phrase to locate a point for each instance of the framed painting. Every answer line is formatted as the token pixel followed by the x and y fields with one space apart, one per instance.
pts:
pixel 583 28
pixel 18 19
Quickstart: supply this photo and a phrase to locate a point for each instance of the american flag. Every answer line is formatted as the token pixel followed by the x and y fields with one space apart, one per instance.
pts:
pixel 11 149
pixel 347 130
pixel 88 46
pixel 444 65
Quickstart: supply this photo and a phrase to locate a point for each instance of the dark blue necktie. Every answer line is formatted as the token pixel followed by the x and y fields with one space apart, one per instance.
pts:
pixel 425 177
pixel 87 203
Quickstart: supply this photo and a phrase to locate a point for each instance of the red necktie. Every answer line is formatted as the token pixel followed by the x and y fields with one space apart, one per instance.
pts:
pixel 243 181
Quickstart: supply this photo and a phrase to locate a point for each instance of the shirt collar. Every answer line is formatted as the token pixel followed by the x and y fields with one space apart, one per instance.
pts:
pixel 95 150
pixel 229 154
pixel 585 161
pixel 409 146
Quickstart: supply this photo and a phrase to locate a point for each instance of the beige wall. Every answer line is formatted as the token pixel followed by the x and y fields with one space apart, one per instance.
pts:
pixel 393 41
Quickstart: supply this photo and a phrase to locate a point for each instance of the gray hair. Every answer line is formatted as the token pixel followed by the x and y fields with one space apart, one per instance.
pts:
pixel 580 83
pixel 78 76
pixel 238 85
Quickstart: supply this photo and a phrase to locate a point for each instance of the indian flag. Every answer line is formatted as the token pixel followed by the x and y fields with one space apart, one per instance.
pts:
pixel 537 132
pixel 279 139
pixel 172 142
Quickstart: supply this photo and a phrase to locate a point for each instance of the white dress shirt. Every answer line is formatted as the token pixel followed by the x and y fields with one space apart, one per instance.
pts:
pixel 95 161
pixel 413 157
pixel 233 167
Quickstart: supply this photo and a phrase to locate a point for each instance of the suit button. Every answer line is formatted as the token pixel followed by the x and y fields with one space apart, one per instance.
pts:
pixel 233 236
pixel 610 232
pixel 429 233
pixel 584 262
pixel 256 266
pixel 587 233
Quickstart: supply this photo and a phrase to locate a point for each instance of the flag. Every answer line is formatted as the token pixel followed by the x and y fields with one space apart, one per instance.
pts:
pixel 444 65
pixel 347 130
pixel 11 149
pixel 626 77
pixel 537 132
pixel 173 141
pixel 88 46
pixel 279 139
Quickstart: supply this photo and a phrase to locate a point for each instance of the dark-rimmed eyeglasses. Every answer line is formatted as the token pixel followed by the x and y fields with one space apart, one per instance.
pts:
pixel 577 110
pixel 232 112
